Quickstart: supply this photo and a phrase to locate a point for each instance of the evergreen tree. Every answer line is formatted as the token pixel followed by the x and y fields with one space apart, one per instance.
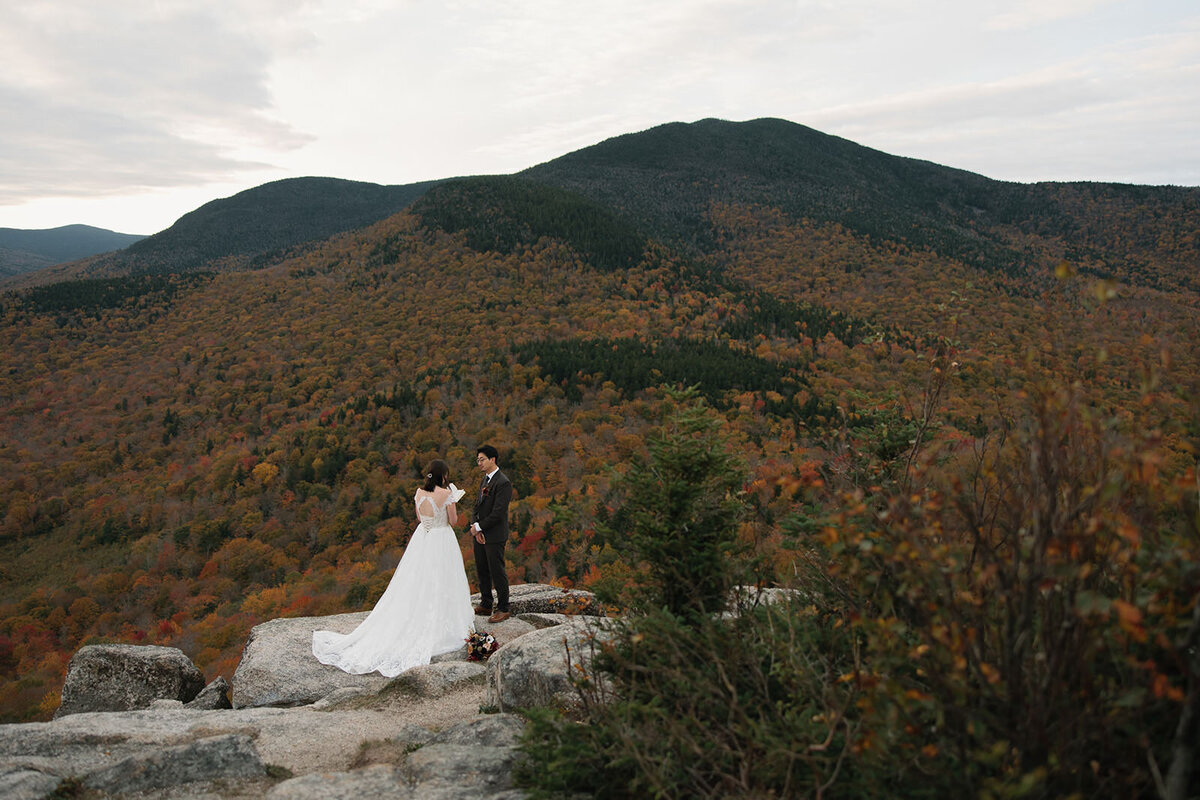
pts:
pixel 681 510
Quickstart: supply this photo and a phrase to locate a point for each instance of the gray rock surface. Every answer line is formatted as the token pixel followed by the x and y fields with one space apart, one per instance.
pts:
pixel 213 697
pixel 166 705
pixel 341 698
pixel 434 680
pixel 504 632
pixel 278 667
pixel 771 596
pixel 379 780
pixel 363 753
pixel 231 756
pixel 19 783
pixel 488 730
pixel 125 677
pixel 418 735
pixel 298 739
pixel 532 671
pixel 540 621
pixel 478 770
pixel 766 596
pixel 540 598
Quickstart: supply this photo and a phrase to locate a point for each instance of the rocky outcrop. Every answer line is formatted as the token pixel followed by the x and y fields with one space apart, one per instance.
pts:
pixel 377 780
pixel 121 752
pixel 278 668
pixel 539 598
pixel 476 756
pixel 511 629
pixel 444 770
pixel 471 760
pixel 122 677
pixel 212 697
pixel 533 670
pixel 98 749
pixel 20 783
pixel 539 620
pixel 230 756
pixel 749 596
pixel 435 680
pixel 301 729
pixel 491 730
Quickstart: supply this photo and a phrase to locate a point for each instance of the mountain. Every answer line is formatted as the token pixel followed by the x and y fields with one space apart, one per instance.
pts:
pixel 670 175
pixel 255 226
pixel 667 179
pixel 28 250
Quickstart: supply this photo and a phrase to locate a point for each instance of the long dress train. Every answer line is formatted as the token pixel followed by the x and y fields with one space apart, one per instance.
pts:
pixel 425 610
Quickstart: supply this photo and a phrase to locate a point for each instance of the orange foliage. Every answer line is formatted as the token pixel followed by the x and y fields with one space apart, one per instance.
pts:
pixel 310 394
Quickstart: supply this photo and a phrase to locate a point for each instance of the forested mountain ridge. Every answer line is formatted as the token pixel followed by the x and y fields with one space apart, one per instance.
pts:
pixel 666 180
pixel 507 215
pixel 668 177
pixel 28 250
pixel 184 456
pixel 253 227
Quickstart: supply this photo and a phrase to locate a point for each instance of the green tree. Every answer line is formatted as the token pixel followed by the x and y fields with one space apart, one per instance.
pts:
pixel 680 511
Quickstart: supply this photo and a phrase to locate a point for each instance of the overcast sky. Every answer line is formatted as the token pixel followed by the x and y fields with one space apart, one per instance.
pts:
pixel 126 114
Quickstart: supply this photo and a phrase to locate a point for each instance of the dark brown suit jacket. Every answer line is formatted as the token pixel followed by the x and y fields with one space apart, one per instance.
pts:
pixel 491 508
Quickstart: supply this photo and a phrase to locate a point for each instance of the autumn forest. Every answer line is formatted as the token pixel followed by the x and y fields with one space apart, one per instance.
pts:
pixel 943 390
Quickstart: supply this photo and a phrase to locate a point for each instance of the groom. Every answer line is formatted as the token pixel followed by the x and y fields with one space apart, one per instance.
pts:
pixel 490 530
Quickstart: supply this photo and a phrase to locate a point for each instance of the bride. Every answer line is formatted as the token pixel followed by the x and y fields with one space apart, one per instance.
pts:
pixel 426 609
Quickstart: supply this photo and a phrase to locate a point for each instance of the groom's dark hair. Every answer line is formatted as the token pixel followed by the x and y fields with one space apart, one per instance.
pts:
pixel 488 452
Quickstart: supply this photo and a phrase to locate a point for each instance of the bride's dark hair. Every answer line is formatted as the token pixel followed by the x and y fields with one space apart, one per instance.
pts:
pixel 435 474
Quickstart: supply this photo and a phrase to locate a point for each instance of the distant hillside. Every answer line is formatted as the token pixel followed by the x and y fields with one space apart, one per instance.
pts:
pixel 259 225
pixel 26 250
pixel 667 179
pixel 506 214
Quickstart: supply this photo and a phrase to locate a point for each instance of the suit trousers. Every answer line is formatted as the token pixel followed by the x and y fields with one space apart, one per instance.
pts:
pixel 489 566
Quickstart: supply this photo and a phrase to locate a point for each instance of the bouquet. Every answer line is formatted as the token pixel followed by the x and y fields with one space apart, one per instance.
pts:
pixel 480 646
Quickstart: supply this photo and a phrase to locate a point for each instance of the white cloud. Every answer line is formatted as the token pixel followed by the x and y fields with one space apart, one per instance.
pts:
pixel 1031 13
pixel 106 97
pixel 1125 111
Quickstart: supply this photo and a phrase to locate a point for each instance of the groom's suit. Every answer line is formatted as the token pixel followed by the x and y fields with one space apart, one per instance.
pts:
pixel 491 514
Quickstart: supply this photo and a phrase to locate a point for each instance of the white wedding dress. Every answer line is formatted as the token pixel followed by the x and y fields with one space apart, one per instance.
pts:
pixel 425 610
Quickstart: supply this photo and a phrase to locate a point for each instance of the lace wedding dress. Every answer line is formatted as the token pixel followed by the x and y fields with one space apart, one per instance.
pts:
pixel 425 610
